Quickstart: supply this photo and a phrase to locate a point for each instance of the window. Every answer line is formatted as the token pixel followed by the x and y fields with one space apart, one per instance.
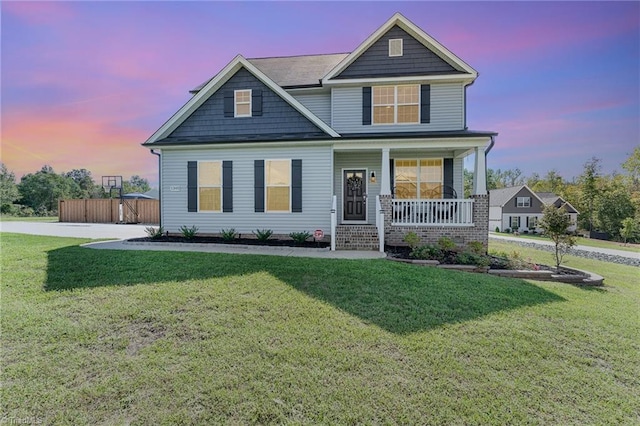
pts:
pixel 514 222
pixel 395 47
pixel 523 202
pixel 209 186
pixel 420 179
pixel 396 104
pixel 278 185
pixel 242 101
pixel 532 222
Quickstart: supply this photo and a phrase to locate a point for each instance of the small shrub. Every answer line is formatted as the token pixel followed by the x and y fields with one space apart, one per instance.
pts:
pixel 476 247
pixel 228 234
pixel 507 230
pixel 412 240
pixel 426 252
pixel 154 232
pixel 300 237
pixel 263 234
pixel 446 244
pixel 189 233
pixel 469 258
pixel 497 229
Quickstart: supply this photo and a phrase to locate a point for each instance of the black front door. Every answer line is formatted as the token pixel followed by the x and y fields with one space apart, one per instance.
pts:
pixel 355 195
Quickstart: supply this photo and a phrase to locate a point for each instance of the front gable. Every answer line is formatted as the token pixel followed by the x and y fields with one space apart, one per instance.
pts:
pixel 276 118
pixel 416 59
pixel 536 205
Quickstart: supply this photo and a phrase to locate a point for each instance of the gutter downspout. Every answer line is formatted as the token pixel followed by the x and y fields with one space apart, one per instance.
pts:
pixel 160 185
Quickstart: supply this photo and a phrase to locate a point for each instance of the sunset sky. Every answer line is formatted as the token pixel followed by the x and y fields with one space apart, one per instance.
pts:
pixel 85 83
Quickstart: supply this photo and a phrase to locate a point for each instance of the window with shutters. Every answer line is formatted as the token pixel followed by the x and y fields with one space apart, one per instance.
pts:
pixel 278 185
pixel 242 102
pixel 396 104
pixel 532 222
pixel 210 186
pixel 514 222
pixel 418 179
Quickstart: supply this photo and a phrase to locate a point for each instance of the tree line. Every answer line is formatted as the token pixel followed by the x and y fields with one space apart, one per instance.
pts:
pixel 606 202
pixel 38 193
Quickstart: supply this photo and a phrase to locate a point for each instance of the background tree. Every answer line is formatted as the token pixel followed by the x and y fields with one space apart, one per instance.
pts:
pixel 630 229
pixel 590 191
pixel 42 190
pixel 8 189
pixel 85 182
pixel 555 222
pixel 612 206
pixel 136 184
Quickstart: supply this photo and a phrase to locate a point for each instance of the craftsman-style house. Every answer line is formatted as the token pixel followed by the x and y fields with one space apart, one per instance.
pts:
pixel 365 146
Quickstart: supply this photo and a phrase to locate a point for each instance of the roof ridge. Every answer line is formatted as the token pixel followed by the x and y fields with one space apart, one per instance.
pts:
pixel 299 56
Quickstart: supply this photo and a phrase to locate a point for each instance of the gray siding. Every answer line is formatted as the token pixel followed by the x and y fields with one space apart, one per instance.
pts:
pixel 316 191
pixel 510 206
pixel 277 115
pixel 447 111
pixel 317 103
pixel 416 59
pixel 369 160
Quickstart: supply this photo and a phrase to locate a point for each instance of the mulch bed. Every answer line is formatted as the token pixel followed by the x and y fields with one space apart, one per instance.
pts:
pixel 237 241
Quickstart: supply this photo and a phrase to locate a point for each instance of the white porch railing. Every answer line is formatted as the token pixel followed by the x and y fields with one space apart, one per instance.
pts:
pixel 334 222
pixel 380 223
pixel 443 212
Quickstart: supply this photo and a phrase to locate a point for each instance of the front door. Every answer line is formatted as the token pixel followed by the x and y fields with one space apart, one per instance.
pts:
pixel 355 195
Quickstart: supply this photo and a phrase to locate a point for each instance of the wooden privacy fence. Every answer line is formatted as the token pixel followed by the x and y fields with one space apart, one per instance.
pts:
pixel 97 210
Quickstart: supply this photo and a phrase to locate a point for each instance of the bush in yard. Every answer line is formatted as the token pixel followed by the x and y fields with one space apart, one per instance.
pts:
pixel 497 229
pixel 412 240
pixel 555 222
pixel 470 258
pixel 263 234
pixel 427 252
pixel 154 232
pixel 189 233
pixel 228 234
pixel 300 237
pixel 447 244
pixel 476 247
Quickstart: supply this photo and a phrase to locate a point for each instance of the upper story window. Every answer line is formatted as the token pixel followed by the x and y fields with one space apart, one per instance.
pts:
pixel 418 178
pixel 523 202
pixel 242 102
pixel 395 47
pixel 278 185
pixel 396 104
pixel 210 186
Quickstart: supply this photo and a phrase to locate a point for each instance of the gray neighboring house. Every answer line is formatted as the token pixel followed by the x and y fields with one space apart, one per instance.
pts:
pixel 518 208
pixel 365 146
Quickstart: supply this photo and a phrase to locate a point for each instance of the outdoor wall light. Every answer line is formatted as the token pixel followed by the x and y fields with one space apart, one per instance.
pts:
pixel 373 177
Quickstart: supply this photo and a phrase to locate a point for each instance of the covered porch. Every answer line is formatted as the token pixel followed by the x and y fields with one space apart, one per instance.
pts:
pixel 395 187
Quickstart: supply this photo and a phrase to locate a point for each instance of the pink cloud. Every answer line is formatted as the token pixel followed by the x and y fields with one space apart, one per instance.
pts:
pixel 39 12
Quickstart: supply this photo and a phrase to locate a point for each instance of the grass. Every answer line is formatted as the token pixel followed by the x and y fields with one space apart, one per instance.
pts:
pixel 110 337
pixel 8 218
pixel 586 242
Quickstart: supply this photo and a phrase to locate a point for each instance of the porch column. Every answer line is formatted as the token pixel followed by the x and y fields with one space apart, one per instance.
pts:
pixel 480 175
pixel 385 173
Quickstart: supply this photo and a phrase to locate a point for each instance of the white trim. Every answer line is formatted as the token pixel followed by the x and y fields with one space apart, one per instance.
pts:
pixel 235 103
pixel 413 30
pixel 417 79
pixel 216 83
pixel 266 201
pixel 366 198
pixel 401 52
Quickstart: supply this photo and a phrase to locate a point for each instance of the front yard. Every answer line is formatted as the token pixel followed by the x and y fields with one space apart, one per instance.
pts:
pixel 110 337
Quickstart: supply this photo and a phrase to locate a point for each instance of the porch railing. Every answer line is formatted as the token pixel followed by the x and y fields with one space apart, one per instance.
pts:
pixel 442 212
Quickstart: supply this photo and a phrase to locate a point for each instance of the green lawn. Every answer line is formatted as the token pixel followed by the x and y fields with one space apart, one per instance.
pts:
pixel 586 242
pixel 122 337
pixel 7 218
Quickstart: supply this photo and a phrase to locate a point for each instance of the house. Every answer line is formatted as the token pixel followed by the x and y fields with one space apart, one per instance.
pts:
pixel 519 209
pixel 365 146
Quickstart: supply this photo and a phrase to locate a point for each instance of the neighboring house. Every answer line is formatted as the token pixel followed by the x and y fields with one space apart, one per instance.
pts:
pixel 519 209
pixel 365 146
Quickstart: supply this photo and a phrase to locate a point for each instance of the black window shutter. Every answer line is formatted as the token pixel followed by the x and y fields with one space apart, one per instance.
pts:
pixel 258 178
pixel 296 186
pixel 392 179
pixel 425 103
pixel 227 186
pixel 527 221
pixel 192 186
pixel 366 106
pixel 228 103
pixel 256 102
pixel 448 176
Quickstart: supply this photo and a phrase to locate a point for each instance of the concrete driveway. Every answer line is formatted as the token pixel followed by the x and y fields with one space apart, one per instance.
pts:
pixel 80 230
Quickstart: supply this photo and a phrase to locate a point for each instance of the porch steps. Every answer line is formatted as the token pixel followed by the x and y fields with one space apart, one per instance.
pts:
pixel 357 237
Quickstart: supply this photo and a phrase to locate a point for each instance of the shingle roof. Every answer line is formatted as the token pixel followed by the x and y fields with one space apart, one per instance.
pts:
pixel 499 197
pixel 294 71
pixel 547 197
